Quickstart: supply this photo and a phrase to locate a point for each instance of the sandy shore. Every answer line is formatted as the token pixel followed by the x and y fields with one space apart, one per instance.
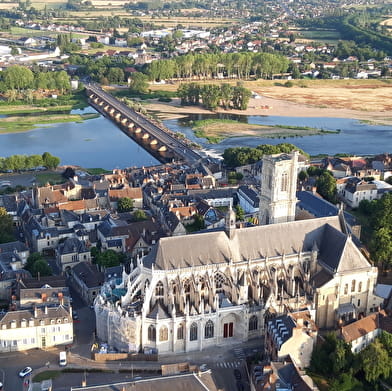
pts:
pixel 274 107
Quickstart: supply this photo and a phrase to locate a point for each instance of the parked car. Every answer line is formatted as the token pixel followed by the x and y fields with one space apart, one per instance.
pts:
pixel 26 371
pixel 75 315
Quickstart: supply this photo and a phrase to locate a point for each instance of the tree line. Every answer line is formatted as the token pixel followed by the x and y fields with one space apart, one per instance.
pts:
pixel 346 371
pixel 19 78
pixel 378 219
pixel 240 156
pixel 24 162
pixel 210 65
pixel 213 95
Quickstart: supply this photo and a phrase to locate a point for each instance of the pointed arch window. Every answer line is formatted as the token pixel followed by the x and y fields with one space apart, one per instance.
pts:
pixel 209 330
pixel 180 331
pixel 253 323
pixel 163 334
pixel 159 289
pixel 284 182
pixel 360 286
pixel 152 336
pixel 193 332
pixel 353 283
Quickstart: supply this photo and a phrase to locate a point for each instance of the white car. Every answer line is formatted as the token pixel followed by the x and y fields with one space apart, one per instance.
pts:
pixel 26 371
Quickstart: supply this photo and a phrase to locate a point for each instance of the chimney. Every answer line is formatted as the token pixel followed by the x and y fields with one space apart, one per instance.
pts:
pixel 35 312
pixel 44 297
pixel 61 298
pixel 46 310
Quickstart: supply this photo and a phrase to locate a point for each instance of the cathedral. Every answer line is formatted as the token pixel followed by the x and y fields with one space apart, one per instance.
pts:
pixel 214 288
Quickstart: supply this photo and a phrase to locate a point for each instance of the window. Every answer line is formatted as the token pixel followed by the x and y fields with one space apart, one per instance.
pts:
pixel 228 330
pixel 359 303
pixel 24 341
pixel 253 323
pixel 284 181
pixel 360 286
pixel 180 331
pixel 193 332
pixel 163 334
pixel 159 289
pixel 209 330
pixel 152 333
pixel 345 289
pixel 353 282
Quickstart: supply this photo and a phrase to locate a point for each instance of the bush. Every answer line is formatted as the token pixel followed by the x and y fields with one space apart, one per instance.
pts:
pixel 289 84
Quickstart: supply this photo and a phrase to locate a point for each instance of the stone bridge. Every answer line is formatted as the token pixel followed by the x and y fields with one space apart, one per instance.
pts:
pixel 153 137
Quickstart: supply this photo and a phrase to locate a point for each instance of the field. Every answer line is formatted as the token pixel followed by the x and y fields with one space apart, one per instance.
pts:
pixel 8 6
pixel 326 36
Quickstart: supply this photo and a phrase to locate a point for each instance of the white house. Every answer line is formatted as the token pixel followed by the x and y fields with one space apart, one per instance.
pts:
pixel 363 332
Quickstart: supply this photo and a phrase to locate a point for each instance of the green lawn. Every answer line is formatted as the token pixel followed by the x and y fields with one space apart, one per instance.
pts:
pixel 49 177
pixel 46 375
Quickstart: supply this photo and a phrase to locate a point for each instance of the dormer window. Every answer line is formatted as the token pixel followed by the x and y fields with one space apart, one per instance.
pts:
pixel 13 324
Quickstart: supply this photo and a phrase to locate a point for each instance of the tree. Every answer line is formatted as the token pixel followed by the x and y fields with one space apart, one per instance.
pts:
pixel 303 176
pixel 139 83
pixel 239 213
pixel 6 230
pixel 125 204
pixel 375 362
pixel 241 96
pixel 69 172
pixel 140 215
pixel 18 78
pixel 49 161
pixel 326 186
pixel 109 258
pixel 41 268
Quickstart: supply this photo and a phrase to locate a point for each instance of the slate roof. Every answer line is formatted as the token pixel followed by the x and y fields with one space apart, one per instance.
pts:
pixel 247 243
pixel 319 207
pixel 71 246
pixel 339 253
pixel 250 194
pixel 13 246
pixel 9 203
pixel 17 316
pixel 89 274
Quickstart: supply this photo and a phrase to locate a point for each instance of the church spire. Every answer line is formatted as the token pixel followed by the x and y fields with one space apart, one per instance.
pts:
pixel 230 223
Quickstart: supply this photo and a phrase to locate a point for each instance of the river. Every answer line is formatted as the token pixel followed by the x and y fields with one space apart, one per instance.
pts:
pixel 100 143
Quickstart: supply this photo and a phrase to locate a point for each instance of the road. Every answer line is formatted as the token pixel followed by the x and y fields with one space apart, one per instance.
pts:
pixel 180 149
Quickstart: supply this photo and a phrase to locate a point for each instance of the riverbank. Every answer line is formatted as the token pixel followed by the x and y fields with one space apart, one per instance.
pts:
pixel 366 100
pixel 217 130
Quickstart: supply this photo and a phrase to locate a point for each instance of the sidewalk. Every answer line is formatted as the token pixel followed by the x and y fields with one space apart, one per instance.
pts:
pixel 82 360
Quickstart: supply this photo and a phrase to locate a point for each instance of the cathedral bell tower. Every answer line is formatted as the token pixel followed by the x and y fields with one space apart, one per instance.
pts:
pixel 278 188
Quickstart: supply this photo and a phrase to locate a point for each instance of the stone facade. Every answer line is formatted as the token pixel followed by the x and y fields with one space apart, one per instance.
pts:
pixel 278 188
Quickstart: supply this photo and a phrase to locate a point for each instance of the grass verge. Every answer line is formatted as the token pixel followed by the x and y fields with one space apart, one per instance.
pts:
pixel 46 375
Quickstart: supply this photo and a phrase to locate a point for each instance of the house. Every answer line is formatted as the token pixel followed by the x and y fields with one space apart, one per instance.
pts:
pixel 363 332
pixel 135 193
pixel 38 327
pixel 71 252
pixel 249 199
pixel 357 190
pixel 87 280
pixel 281 376
pixel 49 290
pixel 291 335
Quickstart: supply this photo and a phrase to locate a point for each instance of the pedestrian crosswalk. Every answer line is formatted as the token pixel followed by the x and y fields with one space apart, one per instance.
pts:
pixel 228 364
pixel 239 353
